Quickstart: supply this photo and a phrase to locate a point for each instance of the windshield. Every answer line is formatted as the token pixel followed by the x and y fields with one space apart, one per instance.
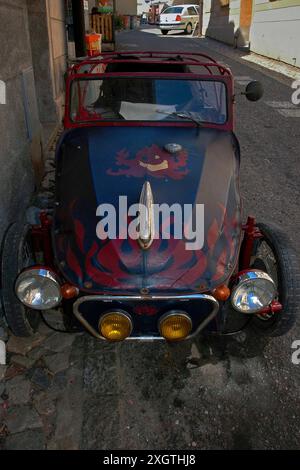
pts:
pixel 148 99
pixel 172 10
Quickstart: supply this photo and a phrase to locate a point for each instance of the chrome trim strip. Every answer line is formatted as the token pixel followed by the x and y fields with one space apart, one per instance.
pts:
pixel 148 298
pixel 111 298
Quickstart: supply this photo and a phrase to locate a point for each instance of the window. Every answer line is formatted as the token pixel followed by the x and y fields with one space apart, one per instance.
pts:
pixel 173 10
pixel 191 11
pixel 148 99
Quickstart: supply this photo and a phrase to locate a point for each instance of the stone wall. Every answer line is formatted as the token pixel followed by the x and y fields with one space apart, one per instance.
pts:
pixel 17 130
pixel 32 66
pixel 58 50
pixel 126 7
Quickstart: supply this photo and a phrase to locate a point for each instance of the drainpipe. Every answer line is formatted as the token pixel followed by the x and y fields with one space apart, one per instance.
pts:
pixel 200 19
pixel 79 27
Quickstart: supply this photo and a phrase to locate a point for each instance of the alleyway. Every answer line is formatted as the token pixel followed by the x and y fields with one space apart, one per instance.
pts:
pixel 243 392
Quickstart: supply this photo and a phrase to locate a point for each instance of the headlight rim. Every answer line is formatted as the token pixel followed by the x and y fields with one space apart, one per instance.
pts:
pixel 44 272
pixel 244 277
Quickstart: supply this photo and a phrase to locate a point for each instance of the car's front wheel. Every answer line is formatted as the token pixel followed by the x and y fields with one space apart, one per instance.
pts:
pixel 17 254
pixel 164 31
pixel 274 254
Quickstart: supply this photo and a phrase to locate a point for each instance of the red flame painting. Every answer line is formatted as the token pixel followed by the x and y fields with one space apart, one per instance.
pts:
pixel 153 161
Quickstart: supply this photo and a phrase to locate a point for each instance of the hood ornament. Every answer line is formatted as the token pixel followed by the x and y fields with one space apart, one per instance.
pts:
pixel 147 225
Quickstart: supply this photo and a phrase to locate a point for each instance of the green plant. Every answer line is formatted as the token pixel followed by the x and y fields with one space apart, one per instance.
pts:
pixel 119 23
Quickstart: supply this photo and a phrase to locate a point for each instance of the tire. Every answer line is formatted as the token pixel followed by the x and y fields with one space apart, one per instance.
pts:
pixel 164 32
pixel 16 244
pixel 189 29
pixel 285 263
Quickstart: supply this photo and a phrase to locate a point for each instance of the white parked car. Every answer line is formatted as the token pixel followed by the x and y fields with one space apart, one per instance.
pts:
pixel 179 18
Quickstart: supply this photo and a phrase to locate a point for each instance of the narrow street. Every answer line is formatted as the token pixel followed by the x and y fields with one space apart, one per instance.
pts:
pixel 237 392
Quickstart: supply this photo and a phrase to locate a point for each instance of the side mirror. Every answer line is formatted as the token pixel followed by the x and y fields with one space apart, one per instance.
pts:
pixel 254 91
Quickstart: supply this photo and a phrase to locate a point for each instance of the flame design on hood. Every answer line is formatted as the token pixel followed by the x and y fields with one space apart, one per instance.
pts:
pixel 153 161
pixel 121 264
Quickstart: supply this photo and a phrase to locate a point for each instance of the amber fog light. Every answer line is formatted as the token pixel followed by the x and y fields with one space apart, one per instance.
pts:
pixel 115 326
pixel 175 326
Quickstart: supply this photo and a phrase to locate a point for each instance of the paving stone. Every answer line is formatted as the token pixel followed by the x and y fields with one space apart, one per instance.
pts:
pixel 53 393
pixel 44 405
pixel 60 380
pixel 41 378
pixel 27 440
pixel 58 362
pixel 55 318
pixel 37 353
pixel 22 361
pixel 2 387
pixel 49 424
pixel 18 391
pixel 59 342
pixel 97 366
pixel 44 329
pixel 101 427
pixel 21 346
pixel 2 395
pixel 13 371
pixel 213 375
pixel 68 429
pixel 69 406
pixel 3 370
pixel 64 443
pixel 3 433
pixel 22 418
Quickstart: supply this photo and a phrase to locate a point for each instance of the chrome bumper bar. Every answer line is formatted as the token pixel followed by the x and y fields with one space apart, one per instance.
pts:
pixel 124 298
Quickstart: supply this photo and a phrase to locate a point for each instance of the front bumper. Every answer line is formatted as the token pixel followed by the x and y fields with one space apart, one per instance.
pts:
pixel 146 312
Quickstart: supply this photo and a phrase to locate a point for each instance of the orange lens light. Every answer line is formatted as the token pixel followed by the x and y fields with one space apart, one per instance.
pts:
pixel 222 293
pixel 176 327
pixel 115 326
pixel 69 292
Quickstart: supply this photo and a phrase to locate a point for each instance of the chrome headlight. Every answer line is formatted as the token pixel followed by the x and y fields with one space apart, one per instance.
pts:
pixel 38 289
pixel 254 291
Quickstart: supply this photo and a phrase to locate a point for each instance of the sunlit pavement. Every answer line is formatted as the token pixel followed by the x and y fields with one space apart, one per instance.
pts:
pixel 239 392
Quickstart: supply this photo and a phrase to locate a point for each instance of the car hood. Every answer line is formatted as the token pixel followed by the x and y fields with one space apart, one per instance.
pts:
pixel 97 165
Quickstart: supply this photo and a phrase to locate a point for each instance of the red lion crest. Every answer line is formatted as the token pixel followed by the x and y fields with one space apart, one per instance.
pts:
pixel 152 161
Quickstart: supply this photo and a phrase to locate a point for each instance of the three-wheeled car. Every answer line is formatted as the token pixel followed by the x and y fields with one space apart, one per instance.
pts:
pixel 146 239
